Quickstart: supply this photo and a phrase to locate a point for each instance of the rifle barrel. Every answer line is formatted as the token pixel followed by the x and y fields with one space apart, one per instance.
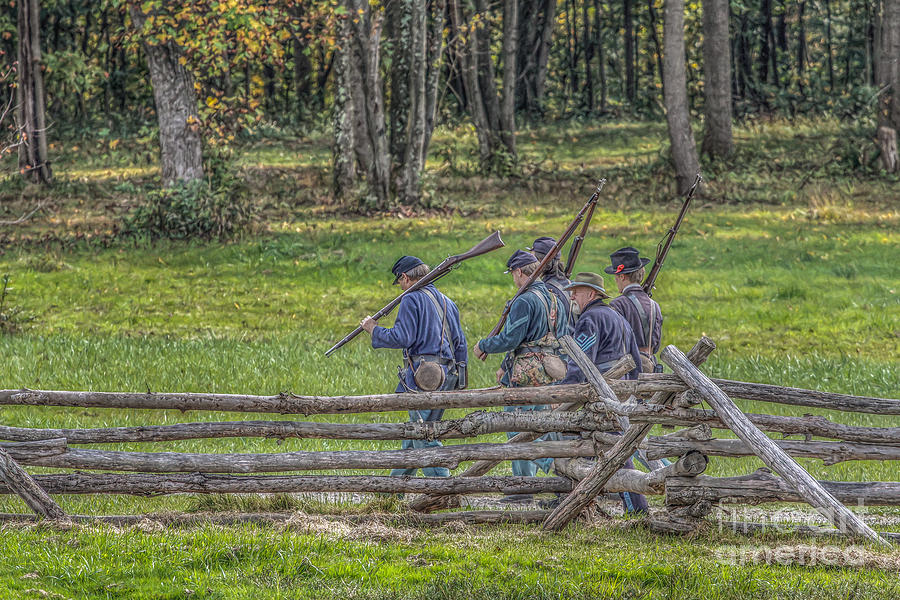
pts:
pixel 547 258
pixel 488 244
pixel 662 250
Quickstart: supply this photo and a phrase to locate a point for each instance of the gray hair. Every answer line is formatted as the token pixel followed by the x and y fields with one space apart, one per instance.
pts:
pixel 418 272
pixel 635 276
pixel 528 269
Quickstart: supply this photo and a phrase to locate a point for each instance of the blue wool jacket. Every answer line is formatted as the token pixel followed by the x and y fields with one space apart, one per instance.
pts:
pixel 605 336
pixel 417 330
pixel 526 322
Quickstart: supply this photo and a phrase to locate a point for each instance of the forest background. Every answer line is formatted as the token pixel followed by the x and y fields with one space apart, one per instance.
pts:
pixel 205 196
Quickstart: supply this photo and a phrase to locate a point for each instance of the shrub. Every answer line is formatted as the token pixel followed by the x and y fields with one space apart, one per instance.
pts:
pixel 196 209
pixel 12 318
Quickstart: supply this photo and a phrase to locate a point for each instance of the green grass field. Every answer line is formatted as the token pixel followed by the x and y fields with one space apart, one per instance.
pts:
pixel 796 287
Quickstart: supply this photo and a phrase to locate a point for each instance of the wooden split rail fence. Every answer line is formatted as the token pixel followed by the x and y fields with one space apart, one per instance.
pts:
pixel 611 417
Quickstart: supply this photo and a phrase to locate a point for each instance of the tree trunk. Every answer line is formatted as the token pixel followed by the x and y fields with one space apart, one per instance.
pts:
pixel 684 150
pixel 543 57
pixel 717 138
pixel 472 45
pixel 654 34
pixel 302 69
pixel 401 28
pixel 801 42
pixel 870 44
pixel 744 71
pixel 601 57
pixel 366 43
pixel 888 78
pixel 435 52
pixel 828 44
pixel 34 163
pixel 181 146
pixel 408 97
pixel 508 95
pixel 587 100
pixel 344 171
pixel 536 21
pixel 628 42
pixel 484 63
pixel 765 35
pixel 362 111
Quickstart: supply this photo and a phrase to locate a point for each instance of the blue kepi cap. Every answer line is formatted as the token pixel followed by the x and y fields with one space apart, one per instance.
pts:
pixel 403 265
pixel 519 259
pixel 543 245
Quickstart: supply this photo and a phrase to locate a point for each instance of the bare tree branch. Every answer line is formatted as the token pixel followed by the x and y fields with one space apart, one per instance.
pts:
pixel 24 217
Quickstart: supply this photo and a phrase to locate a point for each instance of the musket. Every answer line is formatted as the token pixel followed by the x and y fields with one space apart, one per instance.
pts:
pixel 662 249
pixel 575 248
pixel 548 257
pixel 488 244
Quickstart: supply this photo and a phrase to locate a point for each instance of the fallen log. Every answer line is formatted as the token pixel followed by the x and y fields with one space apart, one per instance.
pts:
pixel 446 456
pixel 681 519
pixel 432 503
pixel 475 517
pixel 18 481
pixel 762 486
pixel 145 484
pixel 472 425
pixel 809 425
pixel 622 450
pixel 766 449
pixel 630 480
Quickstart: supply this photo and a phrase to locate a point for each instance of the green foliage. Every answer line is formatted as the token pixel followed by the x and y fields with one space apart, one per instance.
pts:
pixel 12 318
pixel 193 210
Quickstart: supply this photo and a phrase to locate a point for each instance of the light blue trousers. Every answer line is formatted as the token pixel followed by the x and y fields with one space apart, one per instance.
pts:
pixel 418 416
pixel 528 468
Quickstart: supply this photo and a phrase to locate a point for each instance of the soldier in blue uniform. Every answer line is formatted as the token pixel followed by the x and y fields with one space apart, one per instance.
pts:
pixel 530 340
pixel 428 331
pixel 605 337
pixel 553 276
pixel 641 311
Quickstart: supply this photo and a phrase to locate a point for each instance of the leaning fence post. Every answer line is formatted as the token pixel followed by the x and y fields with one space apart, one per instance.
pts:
pixel 19 481
pixel 766 449
pixel 612 460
